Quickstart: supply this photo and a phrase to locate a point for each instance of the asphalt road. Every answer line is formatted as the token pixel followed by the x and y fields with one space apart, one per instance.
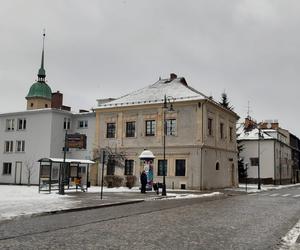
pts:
pixel 238 222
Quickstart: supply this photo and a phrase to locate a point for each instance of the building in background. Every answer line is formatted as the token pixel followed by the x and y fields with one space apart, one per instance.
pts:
pixel 39 132
pixel 295 145
pixel 272 151
pixel 201 149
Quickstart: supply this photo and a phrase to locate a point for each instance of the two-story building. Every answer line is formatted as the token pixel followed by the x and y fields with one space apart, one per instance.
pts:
pixel 268 146
pixel 200 142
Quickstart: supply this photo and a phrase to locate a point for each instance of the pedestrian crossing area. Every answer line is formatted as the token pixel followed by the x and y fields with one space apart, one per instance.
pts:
pixel 295 195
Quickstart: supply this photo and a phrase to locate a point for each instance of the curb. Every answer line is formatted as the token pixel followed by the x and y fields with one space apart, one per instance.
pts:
pixel 69 210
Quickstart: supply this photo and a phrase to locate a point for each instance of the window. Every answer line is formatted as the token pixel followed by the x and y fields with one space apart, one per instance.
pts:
pixel 171 127
pixel 130 129
pixel 20 147
pixel 110 130
pixel 222 130
pixel 217 166
pixel 6 168
pixel 230 133
pixel 150 127
pixel 110 166
pixel 67 123
pixel 254 161
pixel 21 124
pixel 210 126
pixel 8 146
pixel 82 124
pixel 180 168
pixel 128 167
pixel 160 167
pixel 10 124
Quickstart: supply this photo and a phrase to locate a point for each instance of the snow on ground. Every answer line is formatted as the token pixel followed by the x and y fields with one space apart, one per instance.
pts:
pixel 25 200
pixel 97 189
pixel 189 196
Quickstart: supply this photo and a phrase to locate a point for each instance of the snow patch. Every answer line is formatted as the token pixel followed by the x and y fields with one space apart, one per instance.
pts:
pixel 25 200
pixel 291 237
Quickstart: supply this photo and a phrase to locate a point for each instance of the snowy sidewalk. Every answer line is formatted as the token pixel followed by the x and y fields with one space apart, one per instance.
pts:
pixel 26 201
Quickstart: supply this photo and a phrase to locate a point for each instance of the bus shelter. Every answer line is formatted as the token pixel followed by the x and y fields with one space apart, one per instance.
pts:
pixel 72 173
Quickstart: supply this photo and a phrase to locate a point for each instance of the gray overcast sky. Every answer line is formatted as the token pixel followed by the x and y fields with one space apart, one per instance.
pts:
pixel 98 49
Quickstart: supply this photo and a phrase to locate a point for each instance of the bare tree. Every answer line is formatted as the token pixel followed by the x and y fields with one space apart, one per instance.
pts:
pixel 114 158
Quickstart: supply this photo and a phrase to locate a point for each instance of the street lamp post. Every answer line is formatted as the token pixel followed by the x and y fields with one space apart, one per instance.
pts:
pixel 164 191
pixel 258 164
pixel 170 108
pixel 63 169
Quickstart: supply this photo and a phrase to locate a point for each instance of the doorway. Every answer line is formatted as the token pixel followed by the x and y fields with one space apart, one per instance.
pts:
pixel 18 172
pixel 232 175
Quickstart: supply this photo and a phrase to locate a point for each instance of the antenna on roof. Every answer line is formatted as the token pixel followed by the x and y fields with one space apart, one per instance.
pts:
pixel 248 109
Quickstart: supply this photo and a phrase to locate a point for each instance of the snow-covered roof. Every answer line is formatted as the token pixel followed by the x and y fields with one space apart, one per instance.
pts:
pixel 175 89
pixel 44 110
pixel 253 134
pixel 61 160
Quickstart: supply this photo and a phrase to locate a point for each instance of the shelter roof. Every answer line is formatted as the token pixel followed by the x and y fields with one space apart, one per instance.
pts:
pixel 61 160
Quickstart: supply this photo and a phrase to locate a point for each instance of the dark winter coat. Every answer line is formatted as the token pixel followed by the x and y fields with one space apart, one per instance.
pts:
pixel 143 178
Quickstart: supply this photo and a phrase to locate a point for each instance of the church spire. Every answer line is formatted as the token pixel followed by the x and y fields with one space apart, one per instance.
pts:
pixel 42 72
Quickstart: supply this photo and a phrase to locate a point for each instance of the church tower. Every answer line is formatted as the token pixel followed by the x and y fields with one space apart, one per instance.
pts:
pixel 40 94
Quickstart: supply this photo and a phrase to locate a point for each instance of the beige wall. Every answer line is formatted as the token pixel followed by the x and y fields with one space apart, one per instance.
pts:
pixel 38 103
pixel 191 141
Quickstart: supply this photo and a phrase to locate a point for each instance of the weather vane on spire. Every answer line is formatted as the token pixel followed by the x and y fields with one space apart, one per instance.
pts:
pixel 44 34
pixel 42 72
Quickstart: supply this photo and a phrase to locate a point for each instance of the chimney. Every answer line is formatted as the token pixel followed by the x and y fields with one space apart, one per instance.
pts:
pixel 173 76
pixel 249 124
pixel 57 100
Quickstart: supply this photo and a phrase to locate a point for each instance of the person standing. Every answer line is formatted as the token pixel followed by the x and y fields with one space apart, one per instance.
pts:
pixel 143 181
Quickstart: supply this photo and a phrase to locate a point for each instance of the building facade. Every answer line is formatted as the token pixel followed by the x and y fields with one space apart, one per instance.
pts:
pixel 200 139
pixel 28 136
pixel 271 151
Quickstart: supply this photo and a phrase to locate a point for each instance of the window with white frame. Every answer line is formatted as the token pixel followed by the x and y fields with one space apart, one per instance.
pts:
pixel 171 126
pixel 162 164
pixel 82 124
pixel 22 124
pixel 8 146
pixel 111 130
pixel 6 168
pixel 10 124
pixel 20 146
pixel 130 129
pixel 180 167
pixel 128 167
pixel 150 127
pixel 67 123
